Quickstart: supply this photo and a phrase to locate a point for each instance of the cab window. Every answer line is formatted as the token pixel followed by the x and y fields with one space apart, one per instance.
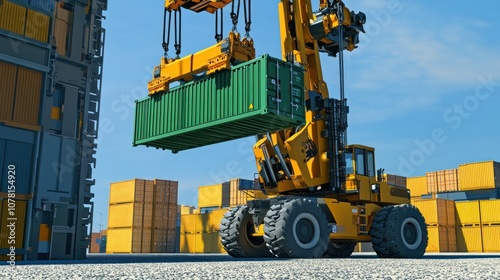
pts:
pixel 348 163
pixel 360 161
pixel 371 163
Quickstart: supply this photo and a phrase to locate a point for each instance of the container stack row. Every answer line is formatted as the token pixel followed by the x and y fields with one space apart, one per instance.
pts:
pixel 466 179
pixel 439 215
pixel 235 192
pixel 50 90
pixel 199 233
pixel 142 216
pixel 478 226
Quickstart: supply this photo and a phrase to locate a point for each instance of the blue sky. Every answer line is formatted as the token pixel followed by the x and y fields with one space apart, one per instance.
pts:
pixel 423 89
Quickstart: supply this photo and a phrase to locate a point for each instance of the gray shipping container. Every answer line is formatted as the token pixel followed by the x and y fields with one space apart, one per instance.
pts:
pixel 17 148
pixel 58 165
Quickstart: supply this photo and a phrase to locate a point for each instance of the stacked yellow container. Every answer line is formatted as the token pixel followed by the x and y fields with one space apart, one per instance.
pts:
pixel 142 216
pixel 469 231
pixel 200 232
pixel 490 223
pixel 439 215
pixel 442 181
pixel 417 186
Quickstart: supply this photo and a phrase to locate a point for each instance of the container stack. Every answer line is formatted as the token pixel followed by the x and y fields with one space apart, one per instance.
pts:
pixel 228 194
pixel 469 230
pixel 50 88
pixel 199 233
pixel 142 216
pixel 396 180
pixel 442 181
pixel 475 188
pixel 417 186
pixel 439 215
pixel 98 242
pixel 490 224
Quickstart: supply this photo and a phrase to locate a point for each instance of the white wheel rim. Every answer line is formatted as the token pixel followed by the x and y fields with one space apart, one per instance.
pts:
pixel 314 221
pixel 418 240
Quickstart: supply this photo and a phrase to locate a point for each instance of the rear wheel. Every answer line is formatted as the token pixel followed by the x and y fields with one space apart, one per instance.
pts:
pixel 236 232
pixel 339 249
pixel 399 232
pixel 296 228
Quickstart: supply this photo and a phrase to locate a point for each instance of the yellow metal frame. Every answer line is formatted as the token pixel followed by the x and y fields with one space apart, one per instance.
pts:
pixel 197 5
pixel 210 60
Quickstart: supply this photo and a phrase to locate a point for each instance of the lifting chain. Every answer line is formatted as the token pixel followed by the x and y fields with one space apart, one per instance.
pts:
pixel 248 17
pixel 247 14
pixel 167 31
pixel 218 36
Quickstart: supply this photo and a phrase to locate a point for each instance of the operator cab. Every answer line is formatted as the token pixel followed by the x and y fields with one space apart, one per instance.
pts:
pixel 360 166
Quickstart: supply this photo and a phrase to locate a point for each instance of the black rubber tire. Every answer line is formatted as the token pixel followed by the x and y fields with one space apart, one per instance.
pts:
pixel 339 249
pixel 235 233
pixel 281 234
pixel 399 232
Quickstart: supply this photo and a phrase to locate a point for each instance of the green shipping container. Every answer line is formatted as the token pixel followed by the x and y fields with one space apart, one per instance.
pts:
pixel 262 95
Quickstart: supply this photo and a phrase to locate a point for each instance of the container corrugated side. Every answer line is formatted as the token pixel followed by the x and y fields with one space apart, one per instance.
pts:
pixel 433 210
pixel 126 191
pixel 210 196
pixel 479 175
pixel 467 212
pixel 12 17
pixel 432 182
pixel 121 215
pixel 146 242
pixel 20 154
pixel 452 238
pixel 228 105
pixel 469 239
pixel 8 72
pixel 189 223
pixel 438 239
pixel 417 186
pixel 451 213
pixel 490 211
pixel 396 180
pixel 19 211
pixel 119 240
pixel 491 238
pixel 37 26
pixel 217 216
pixel 448 180
pixel 28 96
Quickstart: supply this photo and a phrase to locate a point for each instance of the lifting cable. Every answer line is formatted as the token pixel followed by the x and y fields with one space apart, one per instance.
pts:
pixel 218 36
pixel 166 42
pixel 167 31
pixel 248 17
pixel 177 32
pixel 235 16
pixel 247 14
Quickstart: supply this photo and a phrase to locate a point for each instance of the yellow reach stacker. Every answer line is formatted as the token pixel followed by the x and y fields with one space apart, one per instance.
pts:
pixel 323 195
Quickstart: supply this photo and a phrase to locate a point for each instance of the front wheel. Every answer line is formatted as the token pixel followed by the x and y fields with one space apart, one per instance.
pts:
pixel 236 232
pixel 399 232
pixel 296 228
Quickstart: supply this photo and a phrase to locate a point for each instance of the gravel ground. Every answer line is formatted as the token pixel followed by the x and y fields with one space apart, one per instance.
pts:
pixel 213 266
